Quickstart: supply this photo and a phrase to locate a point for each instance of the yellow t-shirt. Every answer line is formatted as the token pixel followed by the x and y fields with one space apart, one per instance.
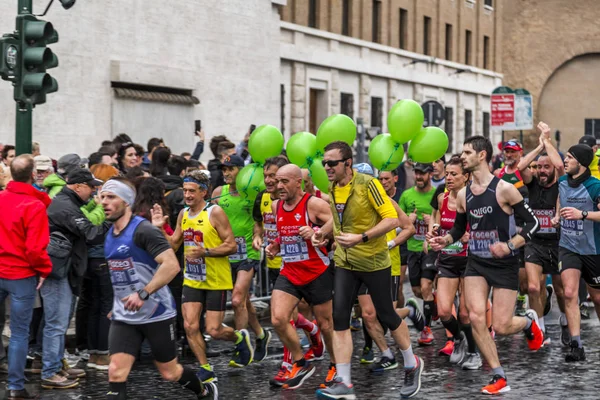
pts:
pixel 270 227
pixel 210 273
pixel 595 168
pixel 394 254
pixel 377 197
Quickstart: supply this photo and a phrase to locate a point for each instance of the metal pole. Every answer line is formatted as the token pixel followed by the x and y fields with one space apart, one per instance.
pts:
pixel 23 129
pixel 23 135
pixel 360 150
pixel 521 137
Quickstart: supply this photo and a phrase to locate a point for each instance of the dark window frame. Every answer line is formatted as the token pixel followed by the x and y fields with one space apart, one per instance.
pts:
pixel 468 45
pixel 376 22
pixel 468 123
pixel 449 126
pixel 377 112
pixel 403 28
pixel 486 124
pixel 346 17
pixel 486 52
pixel 427 34
pixel 448 42
pixel 313 6
pixel 347 104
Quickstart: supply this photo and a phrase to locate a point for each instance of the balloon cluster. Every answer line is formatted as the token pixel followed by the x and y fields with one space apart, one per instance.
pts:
pixel 306 150
pixel 405 123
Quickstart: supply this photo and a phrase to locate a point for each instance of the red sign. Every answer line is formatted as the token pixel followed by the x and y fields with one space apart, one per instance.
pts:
pixel 503 110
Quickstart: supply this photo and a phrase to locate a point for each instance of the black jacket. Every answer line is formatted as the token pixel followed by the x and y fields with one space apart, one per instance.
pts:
pixel 216 175
pixel 173 196
pixel 65 216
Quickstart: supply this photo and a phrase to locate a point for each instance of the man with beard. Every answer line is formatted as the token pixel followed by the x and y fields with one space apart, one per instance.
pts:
pixel 245 261
pixel 141 264
pixel 489 206
pixel 541 254
pixel 513 152
pixel 305 273
pixel 579 251
pixel 416 203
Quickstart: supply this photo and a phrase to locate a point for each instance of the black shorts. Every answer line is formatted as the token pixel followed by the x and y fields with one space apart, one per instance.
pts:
pixel 394 287
pixel 212 300
pixel 273 274
pixel 500 274
pixel 126 338
pixel 246 265
pixel 589 265
pixel 451 266
pixel 546 256
pixel 318 291
pixel 421 265
pixel 403 254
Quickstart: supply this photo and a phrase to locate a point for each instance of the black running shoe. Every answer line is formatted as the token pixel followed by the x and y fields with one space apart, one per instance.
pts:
pixel 548 305
pixel 262 347
pixel 577 353
pixel 384 364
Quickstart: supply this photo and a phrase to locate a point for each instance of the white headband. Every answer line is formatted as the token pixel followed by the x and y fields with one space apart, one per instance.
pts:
pixel 121 190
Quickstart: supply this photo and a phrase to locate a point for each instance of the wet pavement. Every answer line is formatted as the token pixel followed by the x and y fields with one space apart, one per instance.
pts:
pixel 541 375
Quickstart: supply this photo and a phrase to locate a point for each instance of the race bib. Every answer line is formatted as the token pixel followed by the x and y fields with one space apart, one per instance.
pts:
pixel 421 230
pixel 241 253
pixel 293 249
pixel 480 242
pixel 124 277
pixel 545 219
pixel 454 248
pixel 195 270
pixel 571 227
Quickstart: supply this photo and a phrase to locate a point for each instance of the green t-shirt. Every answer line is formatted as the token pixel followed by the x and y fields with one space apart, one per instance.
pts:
pixel 410 199
pixel 239 212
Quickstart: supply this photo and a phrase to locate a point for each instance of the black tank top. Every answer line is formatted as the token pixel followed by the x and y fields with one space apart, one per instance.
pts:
pixel 542 201
pixel 489 223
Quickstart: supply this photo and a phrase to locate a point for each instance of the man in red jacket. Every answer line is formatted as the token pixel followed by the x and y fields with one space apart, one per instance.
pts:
pixel 24 262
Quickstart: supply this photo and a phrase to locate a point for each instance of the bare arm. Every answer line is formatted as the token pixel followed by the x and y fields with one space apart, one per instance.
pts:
pixel 525 161
pixel 220 222
pixel 168 269
pixel 319 211
pixel 408 229
pixel 216 194
pixel 176 239
pixel 554 157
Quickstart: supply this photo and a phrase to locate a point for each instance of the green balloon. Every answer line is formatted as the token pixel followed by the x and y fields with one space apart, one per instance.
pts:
pixel 301 149
pixel 429 145
pixel 319 176
pixel 405 119
pixel 250 181
pixel 338 127
pixel 265 142
pixel 384 153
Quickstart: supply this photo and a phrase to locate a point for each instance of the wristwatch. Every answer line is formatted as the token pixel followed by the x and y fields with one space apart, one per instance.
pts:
pixel 511 245
pixel 143 294
pixel 206 252
pixel 584 215
pixel 365 238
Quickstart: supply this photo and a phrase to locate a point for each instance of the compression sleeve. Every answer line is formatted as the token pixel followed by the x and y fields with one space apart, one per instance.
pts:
pixel 530 222
pixel 459 228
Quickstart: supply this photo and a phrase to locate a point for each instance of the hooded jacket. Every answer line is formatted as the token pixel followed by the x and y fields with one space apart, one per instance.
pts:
pixel 24 232
pixel 54 184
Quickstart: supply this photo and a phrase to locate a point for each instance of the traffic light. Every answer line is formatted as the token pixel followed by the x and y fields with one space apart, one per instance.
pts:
pixel 9 63
pixel 34 58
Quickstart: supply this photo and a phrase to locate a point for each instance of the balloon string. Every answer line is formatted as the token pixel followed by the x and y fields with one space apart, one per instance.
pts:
pixel 388 162
pixel 249 180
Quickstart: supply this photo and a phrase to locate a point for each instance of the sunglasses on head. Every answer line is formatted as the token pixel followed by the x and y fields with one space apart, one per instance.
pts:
pixel 332 163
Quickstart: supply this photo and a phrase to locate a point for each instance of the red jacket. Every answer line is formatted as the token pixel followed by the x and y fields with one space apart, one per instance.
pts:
pixel 24 232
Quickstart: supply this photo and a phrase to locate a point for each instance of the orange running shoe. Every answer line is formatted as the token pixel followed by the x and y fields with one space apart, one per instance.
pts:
pixel 497 385
pixel 281 377
pixel 534 335
pixel 329 379
pixel 447 349
pixel 296 377
pixel 426 338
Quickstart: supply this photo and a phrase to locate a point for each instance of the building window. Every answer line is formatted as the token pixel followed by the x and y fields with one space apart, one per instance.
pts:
pixel 449 126
pixel 346 18
pixel 468 47
pixel 376 112
pixel 282 107
pixel 592 127
pixel 403 25
pixel 486 52
pixel 427 36
pixel 489 3
pixel 448 42
pixel 486 124
pixel 468 123
pixel 376 20
pixel 312 13
pixel 347 105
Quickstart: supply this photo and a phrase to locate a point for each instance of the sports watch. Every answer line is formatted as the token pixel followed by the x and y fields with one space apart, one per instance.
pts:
pixel 584 215
pixel 143 294
pixel 365 238
pixel 511 245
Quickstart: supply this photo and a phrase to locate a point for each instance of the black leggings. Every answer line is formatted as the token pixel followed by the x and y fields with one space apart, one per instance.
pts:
pixel 346 285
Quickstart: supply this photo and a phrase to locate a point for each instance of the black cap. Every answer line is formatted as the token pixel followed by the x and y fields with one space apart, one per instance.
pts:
pixel 80 175
pixel 234 161
pixel 423 167
pixel 588 139
pixel 582 153
pixel 442 158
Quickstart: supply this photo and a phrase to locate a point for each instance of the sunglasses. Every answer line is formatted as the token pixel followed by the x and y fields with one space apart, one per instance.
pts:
pixel 332 163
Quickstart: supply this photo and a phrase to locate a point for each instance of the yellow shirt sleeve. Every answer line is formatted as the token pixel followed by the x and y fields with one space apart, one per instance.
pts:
pixel 380 200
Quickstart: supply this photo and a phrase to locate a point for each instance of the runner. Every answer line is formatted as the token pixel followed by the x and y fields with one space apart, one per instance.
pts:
pixel 245 262
pixel 541 254
pixel 305 274
pixel 207 239
pixel 451 264
pixel 438 176
pixel 362 215
pixel 489 206
pixel 579 251
pixel 416 202
pixel 141 265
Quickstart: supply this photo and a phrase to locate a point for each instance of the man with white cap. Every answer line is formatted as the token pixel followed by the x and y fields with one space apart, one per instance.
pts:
pixel 43 168
pixel 141 264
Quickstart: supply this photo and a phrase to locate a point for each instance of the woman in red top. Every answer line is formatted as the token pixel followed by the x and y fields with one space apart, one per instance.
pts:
pixel 451 264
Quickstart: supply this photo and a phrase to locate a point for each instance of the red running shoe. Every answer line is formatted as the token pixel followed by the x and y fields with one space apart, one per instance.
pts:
pixel 534 335
pixel 497 385
pixel 426 338
pixel 447 349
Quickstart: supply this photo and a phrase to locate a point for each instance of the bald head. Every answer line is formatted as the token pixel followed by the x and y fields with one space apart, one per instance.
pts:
pixel 21 168
pixel 291 171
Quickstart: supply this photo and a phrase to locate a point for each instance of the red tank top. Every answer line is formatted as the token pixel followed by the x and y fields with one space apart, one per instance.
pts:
pixel 302 262
pixel 447 219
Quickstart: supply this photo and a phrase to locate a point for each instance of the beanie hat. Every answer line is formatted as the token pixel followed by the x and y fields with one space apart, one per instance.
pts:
pixel 582 153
